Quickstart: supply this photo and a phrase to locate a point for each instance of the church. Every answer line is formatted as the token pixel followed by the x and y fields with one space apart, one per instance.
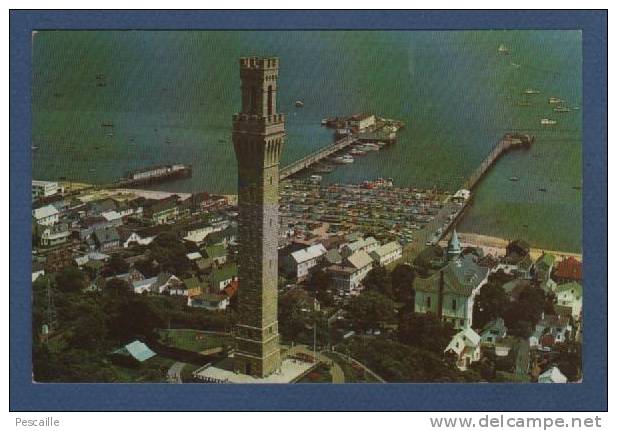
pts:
pixel 449 292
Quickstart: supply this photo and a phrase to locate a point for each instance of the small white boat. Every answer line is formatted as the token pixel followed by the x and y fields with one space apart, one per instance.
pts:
pixel 315 179
pixel 531 91
pixel 369 147
pixel 562 109
pixel 343 160
pixel 503 49
pixel 555 100
pixel 547 122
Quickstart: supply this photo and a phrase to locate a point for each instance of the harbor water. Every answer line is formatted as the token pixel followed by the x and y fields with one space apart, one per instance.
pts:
pixel 170 97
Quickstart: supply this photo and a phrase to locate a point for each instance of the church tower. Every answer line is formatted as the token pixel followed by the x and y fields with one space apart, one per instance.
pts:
pixel 258 135
pixel 454 246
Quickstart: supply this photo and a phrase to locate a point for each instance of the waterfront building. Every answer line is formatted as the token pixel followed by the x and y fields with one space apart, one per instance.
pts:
pixel 569 269
pixel 258 136
pixel 449 292
pixel 361 122
pixel 45 189
pixel 387 253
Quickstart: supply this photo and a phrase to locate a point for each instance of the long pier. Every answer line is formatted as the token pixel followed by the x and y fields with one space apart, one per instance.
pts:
pixel 448 216
pixel 316 156
pixel 508 142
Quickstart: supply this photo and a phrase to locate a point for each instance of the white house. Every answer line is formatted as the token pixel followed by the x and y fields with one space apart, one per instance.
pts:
pixel 301 261
pixel 348 277
pixel 466 346
pixel 571 295
pixel 557 326
pixel 367 244
pixel 146 285
pixel 387 253
pixel 46 216
pixel 552 375
pixel 54 235
pixel 171 284
pixel 45 189
pixel 135 238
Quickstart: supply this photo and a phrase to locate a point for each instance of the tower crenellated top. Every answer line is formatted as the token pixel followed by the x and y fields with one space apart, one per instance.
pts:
pixel 259 76
pixel 259 63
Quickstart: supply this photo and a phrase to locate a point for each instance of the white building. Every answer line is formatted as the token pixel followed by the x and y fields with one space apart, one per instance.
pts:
pixel 387 253
pixel 147 285
pixel 54 235
pixel 466 346
pixel 45 189
pixel 46 216
pixel 571 295
pixel 300 262
pixel 552 375
pixel 348 277
pixel 368 244
pixel 450 292
pixel 362 121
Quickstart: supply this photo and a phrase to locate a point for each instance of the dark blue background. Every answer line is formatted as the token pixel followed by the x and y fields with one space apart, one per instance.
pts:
pixel 590 395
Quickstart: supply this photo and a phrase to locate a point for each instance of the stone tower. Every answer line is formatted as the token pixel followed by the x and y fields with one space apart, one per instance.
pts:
pixel 258 135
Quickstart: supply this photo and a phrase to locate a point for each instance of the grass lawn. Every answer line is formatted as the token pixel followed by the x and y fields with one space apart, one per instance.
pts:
pixel 192 339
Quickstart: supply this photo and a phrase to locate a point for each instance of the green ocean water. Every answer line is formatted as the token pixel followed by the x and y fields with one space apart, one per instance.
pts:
pixel 171 95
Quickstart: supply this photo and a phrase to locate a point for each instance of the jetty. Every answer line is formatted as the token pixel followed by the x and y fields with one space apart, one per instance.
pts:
pixel 455 206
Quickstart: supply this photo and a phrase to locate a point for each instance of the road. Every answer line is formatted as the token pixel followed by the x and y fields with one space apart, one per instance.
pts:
pixel 422 236
pixel 335 370
pixel 174 374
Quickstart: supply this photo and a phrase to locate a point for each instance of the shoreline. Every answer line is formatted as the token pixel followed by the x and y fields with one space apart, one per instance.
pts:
pixel 497 246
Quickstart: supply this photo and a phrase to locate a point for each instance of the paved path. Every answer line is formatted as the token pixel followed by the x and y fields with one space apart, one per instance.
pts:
pixel 335 370
pixel 174 374
pixel 361 365
pixel 522 358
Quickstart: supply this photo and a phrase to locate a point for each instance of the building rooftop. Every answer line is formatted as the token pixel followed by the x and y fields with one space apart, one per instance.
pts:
pixel 360 259
pixel 309 253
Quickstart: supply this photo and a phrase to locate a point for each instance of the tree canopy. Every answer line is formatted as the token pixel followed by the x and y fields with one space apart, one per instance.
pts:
pixel 371 310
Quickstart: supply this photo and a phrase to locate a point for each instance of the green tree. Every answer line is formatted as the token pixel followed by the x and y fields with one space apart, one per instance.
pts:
pixel 90 331
pixel 489 304
pixel 321 284
pixel 402 277
pixel 424 331
pixel 117 287
pixel 70 279
pixel 378 280
pixel 371 310
pixel 118 265
pixel 522 315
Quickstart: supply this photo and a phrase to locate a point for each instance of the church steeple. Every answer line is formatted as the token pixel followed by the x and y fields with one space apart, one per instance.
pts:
pixel 454 246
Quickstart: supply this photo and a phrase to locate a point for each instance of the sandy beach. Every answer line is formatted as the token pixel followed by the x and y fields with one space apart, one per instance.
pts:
pixel 497 246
